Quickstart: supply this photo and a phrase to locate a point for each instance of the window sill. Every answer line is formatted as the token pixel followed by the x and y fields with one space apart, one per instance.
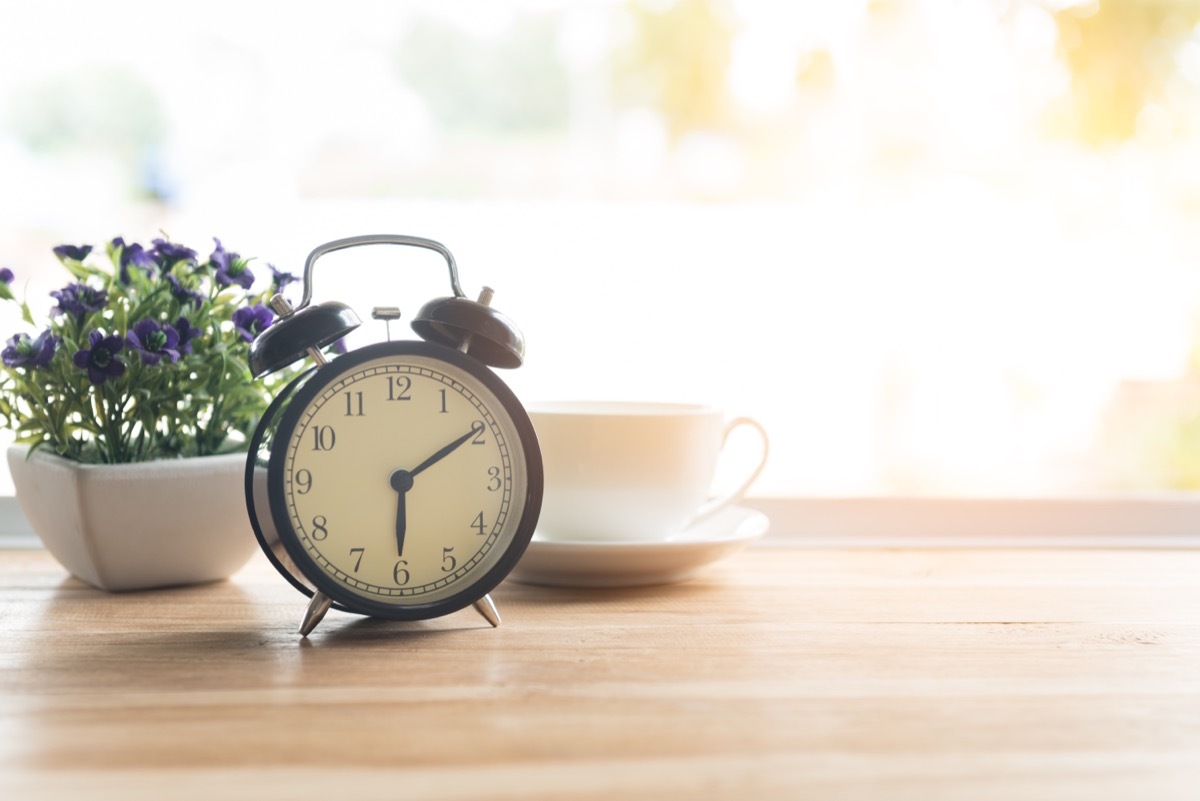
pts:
pixel 1163 520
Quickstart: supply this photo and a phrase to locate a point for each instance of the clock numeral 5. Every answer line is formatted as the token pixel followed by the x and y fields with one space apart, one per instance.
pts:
pixel 448 560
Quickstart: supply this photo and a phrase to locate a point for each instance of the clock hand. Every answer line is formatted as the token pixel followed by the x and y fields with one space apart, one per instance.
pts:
pixel 401 481
pixel 444 452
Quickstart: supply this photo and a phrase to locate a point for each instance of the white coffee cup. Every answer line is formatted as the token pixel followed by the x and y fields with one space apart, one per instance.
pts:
pixel 632 471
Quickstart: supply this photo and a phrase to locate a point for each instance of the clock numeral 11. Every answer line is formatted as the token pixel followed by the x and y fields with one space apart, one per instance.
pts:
pixel 354 404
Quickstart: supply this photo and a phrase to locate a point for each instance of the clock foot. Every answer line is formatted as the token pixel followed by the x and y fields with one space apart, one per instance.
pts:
pixel 485 607
pixel 317 608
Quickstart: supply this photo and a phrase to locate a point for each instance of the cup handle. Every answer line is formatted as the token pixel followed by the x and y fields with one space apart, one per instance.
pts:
pixel 717 504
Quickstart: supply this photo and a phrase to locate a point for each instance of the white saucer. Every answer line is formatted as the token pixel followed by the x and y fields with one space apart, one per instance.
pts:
pixel 639 563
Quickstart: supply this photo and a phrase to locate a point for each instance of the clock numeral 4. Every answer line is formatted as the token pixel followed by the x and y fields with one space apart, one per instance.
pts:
pixel 478 524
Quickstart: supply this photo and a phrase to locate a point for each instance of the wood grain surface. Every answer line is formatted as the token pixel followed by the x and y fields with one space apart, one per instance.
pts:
pixel 783 673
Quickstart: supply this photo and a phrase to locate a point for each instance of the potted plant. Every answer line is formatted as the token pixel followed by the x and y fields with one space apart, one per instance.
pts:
pixel 131 404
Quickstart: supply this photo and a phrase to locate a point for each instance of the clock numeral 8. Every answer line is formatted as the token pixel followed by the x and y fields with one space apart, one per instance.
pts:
pixel 319 524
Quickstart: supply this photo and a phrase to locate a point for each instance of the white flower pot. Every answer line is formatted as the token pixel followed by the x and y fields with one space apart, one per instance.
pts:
pixel 137 526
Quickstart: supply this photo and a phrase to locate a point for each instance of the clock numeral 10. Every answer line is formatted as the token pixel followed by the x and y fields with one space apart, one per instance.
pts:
pixel 324 438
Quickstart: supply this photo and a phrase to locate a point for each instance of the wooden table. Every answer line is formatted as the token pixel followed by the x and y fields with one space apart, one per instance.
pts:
pixel 781 673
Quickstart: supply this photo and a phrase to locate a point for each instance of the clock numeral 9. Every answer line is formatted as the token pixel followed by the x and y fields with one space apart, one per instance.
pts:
pixel 303 482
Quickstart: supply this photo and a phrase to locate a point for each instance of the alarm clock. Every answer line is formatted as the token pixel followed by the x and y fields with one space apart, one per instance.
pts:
pixel 402 479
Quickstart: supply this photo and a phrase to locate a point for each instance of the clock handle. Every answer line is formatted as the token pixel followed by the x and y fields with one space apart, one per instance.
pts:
pixel 376 239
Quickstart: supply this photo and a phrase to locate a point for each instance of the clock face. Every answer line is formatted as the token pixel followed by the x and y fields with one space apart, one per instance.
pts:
pixel 405 480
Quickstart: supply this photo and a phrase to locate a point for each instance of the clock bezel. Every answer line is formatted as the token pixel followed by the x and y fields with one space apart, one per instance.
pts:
pixel 529 508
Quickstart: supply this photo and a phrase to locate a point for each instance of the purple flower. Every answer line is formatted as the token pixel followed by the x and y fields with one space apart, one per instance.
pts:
pixel 100 358
pixel 168 254
pixel 231 268
pixel 250 321
pixel 72 252
pixel 154 342
pixel 183 294
pixel 78 300
pixel 134 255
pixel 25 352
pixel 280 279
pixel 187 332
pixel 6 275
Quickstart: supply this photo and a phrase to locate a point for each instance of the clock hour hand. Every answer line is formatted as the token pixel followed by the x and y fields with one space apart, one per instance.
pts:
pixel 401 481
pixel 444 452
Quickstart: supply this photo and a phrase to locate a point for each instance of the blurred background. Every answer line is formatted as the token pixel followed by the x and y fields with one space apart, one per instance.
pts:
pixel 938 247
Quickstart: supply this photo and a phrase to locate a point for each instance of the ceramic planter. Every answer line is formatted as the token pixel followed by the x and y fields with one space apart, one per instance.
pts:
pixel 137 526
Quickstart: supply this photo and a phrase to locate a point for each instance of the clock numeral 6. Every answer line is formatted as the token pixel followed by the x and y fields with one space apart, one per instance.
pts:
pixel 400 573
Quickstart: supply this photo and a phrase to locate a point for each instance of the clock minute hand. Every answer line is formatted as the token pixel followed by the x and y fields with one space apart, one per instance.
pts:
pixel 444 452
pixel 401 481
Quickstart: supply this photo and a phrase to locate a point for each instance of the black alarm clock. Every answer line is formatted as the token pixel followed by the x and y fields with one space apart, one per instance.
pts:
pixel 402 479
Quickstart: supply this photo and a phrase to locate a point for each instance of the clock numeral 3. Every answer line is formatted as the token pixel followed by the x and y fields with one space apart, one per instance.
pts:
pixel 494 482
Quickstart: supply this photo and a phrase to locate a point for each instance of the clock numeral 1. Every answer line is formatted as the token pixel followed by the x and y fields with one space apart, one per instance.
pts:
pixel 324 438
pixel 354 404
pixel 443 409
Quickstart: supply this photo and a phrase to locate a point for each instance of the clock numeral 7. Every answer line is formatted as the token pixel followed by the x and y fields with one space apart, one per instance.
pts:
pixel 358 561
